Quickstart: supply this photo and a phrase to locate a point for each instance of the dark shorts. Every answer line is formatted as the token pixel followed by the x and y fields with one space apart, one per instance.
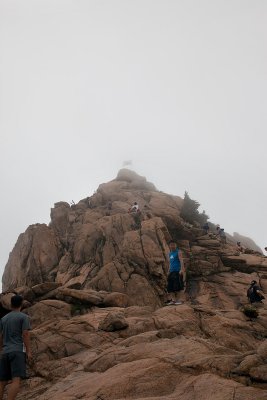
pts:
pixel 175 282
pixel 12 365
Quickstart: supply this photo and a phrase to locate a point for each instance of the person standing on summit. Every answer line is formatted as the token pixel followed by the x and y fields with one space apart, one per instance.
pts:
pixel 176 275
pixel 15 347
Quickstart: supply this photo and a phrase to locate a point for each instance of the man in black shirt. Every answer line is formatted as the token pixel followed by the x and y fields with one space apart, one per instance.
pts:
pixel 254 293
pixel 14 347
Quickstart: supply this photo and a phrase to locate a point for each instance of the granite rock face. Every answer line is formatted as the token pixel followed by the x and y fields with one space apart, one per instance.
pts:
pixel 94 287
pixel 34 258
pixel 98 245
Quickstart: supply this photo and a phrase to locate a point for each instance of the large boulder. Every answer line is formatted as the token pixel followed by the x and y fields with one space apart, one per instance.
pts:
pixel 113 322
pixel 60 218
pixel 48 310
pixel 116 299
pixel 134 180
pixel 89 297
pixel 33 259
pixel 43 288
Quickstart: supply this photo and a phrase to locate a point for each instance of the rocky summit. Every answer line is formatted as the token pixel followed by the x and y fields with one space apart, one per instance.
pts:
pixel 94 286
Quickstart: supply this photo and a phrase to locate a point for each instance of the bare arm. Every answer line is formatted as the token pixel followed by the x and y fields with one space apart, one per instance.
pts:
pixel 260 293
pixel 26 341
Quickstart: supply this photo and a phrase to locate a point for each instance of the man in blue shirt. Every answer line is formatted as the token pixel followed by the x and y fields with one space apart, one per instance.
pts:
pixel 14 346
pixel 176 274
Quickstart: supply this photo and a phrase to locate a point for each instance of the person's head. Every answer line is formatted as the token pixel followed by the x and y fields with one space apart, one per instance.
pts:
pixel 135 203
pixel 16 301
pixel 252 283
pixel 238 243
pixel 172 245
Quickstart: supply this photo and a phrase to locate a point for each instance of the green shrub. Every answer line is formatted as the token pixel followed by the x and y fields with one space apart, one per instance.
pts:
pixel 250 311
pixel 190 213
pixel 76 308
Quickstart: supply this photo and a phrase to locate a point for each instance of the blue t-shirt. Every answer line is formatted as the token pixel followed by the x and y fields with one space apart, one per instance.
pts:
pixel 175 265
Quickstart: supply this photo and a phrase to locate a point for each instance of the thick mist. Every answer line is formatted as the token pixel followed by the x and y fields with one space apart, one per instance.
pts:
pixel 179 87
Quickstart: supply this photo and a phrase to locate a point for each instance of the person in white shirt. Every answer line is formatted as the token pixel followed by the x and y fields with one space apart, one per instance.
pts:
pixel 134 207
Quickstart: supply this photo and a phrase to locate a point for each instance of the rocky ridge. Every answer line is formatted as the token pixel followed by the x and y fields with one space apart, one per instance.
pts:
pixel 94 285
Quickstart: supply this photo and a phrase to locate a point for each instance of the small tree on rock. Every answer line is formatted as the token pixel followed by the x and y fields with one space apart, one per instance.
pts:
pixel 190 213
pixel 202 218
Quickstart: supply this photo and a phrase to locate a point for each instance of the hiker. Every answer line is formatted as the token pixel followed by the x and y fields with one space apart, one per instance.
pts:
pixel 134 208
pixel 254 293
pixel 222 236
pixel 14 340
pixel 109 205
pixel 239 248
pixel 206 228
pixel 89 202
pixel 176 274
pixel 218 229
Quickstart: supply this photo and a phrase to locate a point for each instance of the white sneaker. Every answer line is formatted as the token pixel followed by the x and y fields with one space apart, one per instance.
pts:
pixel 171 303
pixel 177 303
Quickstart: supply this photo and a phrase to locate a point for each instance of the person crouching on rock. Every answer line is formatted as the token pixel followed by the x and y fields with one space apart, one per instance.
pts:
pixel 134 208
pixel 176 274
pixel 254 293
pixel 239 248
pixel 14 340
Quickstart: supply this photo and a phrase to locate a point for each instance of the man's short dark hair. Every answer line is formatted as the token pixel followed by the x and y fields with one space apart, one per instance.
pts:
pixel 253 282
pixel 172 241
pixel 16 301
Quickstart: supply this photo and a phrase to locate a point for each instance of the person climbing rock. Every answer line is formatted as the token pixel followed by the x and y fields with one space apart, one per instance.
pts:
pixel 239 248
pixel 222 236
pixel 89 202
pixel 15 347
pixel 176 275
pixel 134 208
pixel 254 293
pixel 206 228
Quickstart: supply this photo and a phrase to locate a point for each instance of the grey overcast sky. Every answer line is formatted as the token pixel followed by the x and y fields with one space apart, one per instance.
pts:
pixel 178 86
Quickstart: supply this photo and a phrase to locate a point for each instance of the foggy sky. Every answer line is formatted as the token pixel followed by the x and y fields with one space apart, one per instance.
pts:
pixel 179 87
